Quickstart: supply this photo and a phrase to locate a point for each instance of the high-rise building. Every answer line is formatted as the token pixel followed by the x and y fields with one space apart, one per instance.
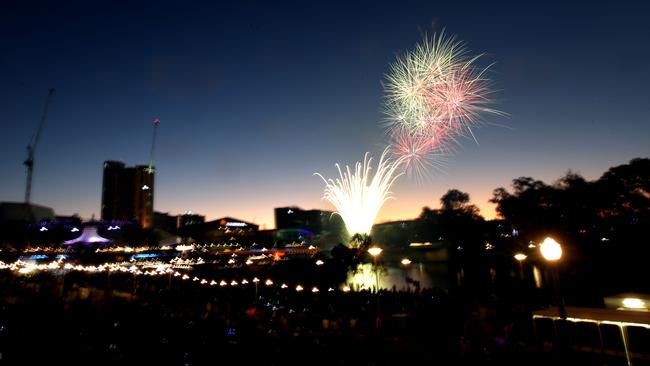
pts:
pixel 114 192
pixel 127 193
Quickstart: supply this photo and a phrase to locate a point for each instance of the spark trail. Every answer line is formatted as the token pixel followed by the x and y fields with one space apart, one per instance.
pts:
pixel 435 95
pixel 358 195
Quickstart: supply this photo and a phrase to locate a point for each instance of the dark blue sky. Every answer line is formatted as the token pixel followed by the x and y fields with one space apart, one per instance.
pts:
pixel 254 98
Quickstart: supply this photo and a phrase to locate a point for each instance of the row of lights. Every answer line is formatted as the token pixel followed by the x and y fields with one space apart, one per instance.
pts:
pixel 161 269
pixel 23 267
pixel 180 247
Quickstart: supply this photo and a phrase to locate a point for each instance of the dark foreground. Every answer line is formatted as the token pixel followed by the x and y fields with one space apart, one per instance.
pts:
pixel 85 320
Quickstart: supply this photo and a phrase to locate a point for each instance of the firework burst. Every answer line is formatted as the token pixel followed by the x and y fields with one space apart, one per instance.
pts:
pixel 414 78
pixel 434 95
pixel 358 195
pixel 419 153
pixel 460 101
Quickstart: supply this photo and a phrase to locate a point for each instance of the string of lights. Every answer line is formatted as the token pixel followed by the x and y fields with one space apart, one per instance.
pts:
pixel 22 267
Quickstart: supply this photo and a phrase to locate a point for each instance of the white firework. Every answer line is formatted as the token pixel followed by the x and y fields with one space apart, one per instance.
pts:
pixel 418 75
pixel 358 195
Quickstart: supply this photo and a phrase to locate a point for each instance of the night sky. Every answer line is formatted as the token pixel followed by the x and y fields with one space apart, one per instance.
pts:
pixel 253 98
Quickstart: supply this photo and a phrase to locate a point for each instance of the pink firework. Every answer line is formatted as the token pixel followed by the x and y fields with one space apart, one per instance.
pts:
pixel 419 153
pixel 458 101
pixel 435 94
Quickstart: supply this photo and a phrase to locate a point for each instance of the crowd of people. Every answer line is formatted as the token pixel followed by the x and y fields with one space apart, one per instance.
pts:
pixel 85 319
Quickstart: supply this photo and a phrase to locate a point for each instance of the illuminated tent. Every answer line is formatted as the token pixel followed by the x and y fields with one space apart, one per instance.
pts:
pixel 88 236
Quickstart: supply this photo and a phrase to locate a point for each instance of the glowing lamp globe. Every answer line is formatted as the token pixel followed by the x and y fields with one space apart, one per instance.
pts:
pixel 634 303
pixel 551 250
pixel 520 256
pixel 375 251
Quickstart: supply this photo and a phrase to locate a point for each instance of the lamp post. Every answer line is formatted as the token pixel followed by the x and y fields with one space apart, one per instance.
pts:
pixel 405 265
pixel 255 281
pixel 552 252
pixel 521 257
pixel 375 252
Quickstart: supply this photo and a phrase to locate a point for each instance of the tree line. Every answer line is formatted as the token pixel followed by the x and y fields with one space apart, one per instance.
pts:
pixel 603 224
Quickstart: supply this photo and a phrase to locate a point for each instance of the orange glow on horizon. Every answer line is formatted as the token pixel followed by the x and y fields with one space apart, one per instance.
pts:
pixel 487 210
pixel 394 210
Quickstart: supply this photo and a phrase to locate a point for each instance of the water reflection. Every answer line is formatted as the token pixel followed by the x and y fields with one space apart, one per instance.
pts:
pixel 418 274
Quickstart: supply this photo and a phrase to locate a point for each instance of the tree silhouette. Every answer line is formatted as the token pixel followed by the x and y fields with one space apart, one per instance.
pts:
pixel 601 223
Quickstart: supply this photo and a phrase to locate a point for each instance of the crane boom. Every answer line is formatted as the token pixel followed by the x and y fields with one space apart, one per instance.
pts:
pixel 29 162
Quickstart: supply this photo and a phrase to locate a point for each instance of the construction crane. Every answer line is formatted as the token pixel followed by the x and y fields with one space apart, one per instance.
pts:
pixel 29 162
pixel 156 122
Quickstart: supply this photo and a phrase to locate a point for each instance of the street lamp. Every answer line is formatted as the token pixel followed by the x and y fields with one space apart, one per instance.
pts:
pixel 521 257
pixel 375 252
pixel 255 281
pixel 552 252
pixel 405 264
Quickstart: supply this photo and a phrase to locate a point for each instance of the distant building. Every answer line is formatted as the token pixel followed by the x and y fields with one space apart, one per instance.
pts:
pixel 164 221
pixel 172 223
pixel 399 236
pixel 226 230
pixel 23 224
pixel 21 213
pixel 296 218
pixel 189 218
pixel 320 227
pixel 127 193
